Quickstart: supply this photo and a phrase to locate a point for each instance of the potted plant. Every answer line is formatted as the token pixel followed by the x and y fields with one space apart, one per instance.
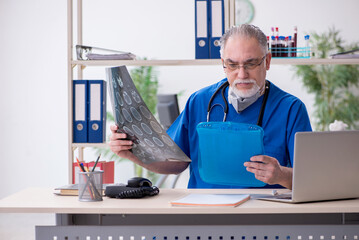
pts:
pixel 335 87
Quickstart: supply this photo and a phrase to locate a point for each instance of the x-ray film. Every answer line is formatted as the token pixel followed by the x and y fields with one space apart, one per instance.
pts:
pixel 132 116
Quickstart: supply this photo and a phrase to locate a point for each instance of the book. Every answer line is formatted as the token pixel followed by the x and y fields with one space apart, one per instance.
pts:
pixel 211 200
pixel 73 190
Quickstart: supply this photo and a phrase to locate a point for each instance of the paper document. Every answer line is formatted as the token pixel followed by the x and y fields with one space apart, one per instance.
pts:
pixel 215 200
pixel 96 53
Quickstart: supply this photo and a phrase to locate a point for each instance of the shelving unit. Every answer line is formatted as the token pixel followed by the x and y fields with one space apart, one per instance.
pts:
pixel 207 62
pixel 81 65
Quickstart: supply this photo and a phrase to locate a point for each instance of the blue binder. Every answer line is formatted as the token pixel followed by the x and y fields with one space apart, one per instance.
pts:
pixel 216 27
pixel 96 111
pixel 209 27
pixel 80 109
pixel 223 149
pixel 201 29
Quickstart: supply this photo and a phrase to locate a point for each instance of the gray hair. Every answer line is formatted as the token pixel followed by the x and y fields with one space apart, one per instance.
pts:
pixel 245 30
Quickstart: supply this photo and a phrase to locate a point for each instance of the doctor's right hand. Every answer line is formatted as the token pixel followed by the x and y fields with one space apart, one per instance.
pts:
pixel 119 144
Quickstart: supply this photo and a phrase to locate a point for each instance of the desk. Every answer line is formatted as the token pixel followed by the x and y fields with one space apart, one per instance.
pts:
pixel 154 218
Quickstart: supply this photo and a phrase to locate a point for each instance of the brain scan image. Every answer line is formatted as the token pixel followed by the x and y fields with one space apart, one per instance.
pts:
pixel 132 116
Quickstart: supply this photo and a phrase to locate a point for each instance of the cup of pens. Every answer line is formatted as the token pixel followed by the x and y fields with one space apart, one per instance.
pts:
pixel 90 186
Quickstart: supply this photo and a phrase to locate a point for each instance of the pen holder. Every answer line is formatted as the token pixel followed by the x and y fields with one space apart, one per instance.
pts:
pixel 90 186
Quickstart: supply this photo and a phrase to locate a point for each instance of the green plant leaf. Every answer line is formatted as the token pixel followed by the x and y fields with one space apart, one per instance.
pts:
pixel 335 87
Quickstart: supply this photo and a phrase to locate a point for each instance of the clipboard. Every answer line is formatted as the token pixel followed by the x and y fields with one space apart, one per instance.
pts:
pixel 223 149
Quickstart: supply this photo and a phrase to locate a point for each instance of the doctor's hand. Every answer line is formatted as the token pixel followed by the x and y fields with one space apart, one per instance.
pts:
pixel 119 145
pixel 267 169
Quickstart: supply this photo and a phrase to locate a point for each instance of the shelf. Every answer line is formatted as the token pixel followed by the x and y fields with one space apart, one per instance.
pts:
pixel 81 65
pixel 185 62
pixel 312 61
pixel 206 62
pixel 84 145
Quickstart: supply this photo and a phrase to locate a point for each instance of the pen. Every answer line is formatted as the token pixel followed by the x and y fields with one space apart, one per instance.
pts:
pixel 86 168
pixel 94 166
pixel 81 165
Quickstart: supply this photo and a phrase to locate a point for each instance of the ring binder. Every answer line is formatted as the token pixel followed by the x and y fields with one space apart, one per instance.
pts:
pixel 97 111
pixel 80 110
pixel 89 111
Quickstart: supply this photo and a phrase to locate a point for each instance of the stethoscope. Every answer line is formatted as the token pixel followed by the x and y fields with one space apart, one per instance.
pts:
pixel 225 109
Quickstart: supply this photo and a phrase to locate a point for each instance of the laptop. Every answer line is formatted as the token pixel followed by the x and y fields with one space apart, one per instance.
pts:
pixel 326 167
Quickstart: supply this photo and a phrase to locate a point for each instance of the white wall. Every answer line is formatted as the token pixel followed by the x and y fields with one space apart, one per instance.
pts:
pixel 33 95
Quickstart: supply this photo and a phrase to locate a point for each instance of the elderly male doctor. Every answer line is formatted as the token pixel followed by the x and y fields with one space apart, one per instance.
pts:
pixel 252 99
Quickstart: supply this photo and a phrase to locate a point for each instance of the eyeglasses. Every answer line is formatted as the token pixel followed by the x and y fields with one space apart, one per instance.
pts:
pixel 246 66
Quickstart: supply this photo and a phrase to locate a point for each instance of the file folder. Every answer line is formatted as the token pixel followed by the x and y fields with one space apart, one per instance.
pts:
pixel 80 124
pixel 216 27
pixel 223 149
pixel 97 111
pixel 232 14
pixel 201 29
pixel 229 14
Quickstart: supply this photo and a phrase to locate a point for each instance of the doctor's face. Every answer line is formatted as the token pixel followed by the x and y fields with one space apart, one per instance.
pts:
pixel 245 64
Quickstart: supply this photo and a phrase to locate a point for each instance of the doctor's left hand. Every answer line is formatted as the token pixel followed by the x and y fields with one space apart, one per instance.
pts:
pixel 267 169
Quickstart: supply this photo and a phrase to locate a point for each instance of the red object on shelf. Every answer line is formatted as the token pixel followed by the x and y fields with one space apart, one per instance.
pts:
pixel 108 169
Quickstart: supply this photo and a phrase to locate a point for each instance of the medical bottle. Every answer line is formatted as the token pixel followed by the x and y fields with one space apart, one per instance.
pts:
pixel 285 52
pixel 307 49
pixel 274 47
pixel 281 46
pixel 272 38
pixel 278 45
pixel 295 41
pixel 290 46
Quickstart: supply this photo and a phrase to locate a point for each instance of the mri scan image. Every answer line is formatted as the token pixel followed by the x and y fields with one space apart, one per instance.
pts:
pixel 132 116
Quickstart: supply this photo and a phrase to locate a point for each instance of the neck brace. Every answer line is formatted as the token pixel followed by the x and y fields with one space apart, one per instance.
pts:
pixel 240 103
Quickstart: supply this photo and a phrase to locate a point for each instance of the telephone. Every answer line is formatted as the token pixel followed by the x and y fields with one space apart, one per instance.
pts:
pixel 137 187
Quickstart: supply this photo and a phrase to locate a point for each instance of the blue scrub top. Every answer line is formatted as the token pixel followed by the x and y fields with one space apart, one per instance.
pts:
pixel 284 115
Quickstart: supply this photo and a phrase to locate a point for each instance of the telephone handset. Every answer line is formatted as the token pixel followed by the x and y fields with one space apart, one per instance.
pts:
pixel 136 187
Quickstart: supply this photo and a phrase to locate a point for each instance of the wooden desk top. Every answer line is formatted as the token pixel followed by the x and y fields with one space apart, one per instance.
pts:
pixel 40 200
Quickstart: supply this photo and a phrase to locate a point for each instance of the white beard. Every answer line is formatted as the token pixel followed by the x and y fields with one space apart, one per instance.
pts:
pixel 248 92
